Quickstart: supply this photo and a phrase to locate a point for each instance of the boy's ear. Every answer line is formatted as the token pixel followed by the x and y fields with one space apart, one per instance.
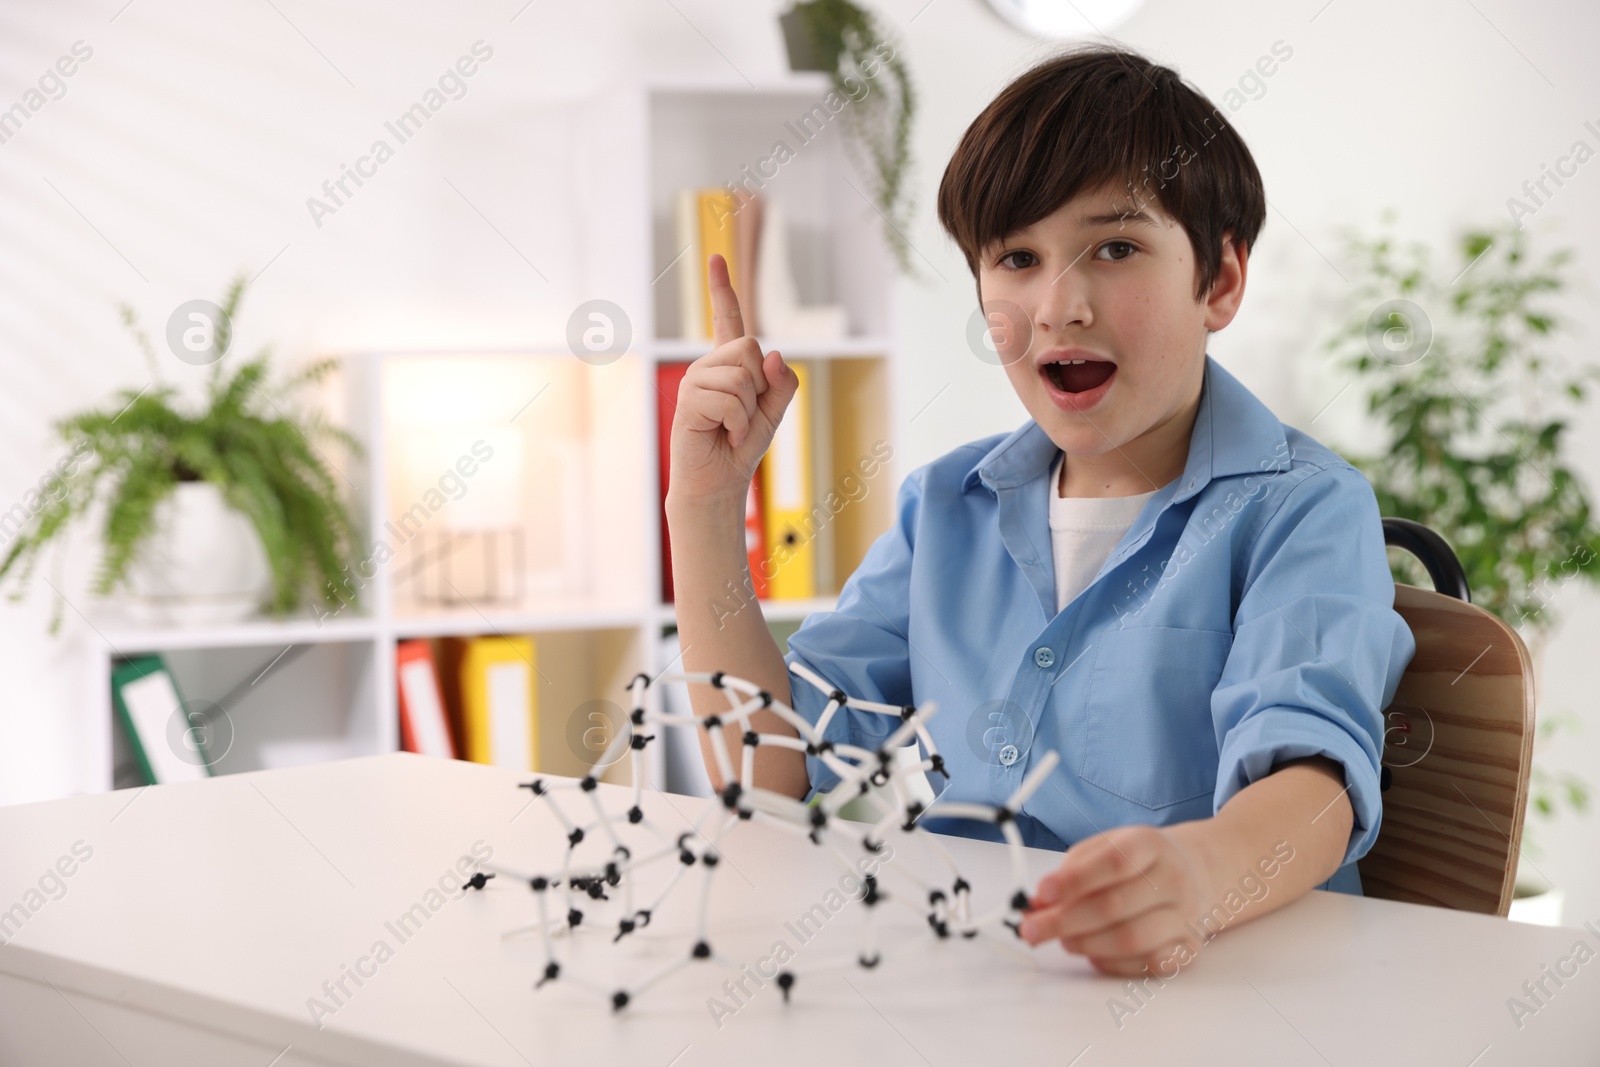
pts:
pixel 1224 304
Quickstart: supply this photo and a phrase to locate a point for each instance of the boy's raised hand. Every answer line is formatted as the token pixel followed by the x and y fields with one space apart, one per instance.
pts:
pixel 729 405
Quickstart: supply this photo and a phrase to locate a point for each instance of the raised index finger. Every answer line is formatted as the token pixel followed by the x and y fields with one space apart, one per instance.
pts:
pixel 727 324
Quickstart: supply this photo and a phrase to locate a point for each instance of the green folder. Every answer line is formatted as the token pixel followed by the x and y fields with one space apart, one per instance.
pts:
pixel 147 700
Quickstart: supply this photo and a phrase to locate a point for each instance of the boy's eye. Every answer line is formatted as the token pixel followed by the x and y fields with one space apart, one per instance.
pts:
pixel 1017 266
pixel 1123 244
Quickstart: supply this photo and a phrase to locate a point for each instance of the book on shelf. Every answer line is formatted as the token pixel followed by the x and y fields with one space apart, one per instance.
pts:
pixel 167 737
pixel 693 205
pixel 668 378
pixel 715 215
pixel 712 220
pixel 686 235
pixel 755 536
pixel 424 718
pixel 494 681
pixel 820 446
pixel 747 223
pixel 787 496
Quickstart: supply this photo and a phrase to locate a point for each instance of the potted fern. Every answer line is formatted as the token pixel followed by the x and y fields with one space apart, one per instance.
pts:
pixel 846 41
pixel 1460 368
pixel 209 515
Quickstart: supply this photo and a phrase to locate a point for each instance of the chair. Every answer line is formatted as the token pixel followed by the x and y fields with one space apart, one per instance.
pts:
pixel 1458 746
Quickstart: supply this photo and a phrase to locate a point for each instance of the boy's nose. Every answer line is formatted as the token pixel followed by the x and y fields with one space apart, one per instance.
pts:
pixel 1064 302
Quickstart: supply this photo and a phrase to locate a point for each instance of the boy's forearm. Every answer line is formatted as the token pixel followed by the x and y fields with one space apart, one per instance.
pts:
pixel 719 632
pixel 1303 803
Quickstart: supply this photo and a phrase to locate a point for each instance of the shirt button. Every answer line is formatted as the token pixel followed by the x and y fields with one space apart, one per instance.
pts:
pixel 1044 657
pixel 1009 754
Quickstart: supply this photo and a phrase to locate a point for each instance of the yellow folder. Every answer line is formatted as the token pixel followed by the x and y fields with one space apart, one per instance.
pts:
pixel 787 499
pixel 717 234
pixel 500 702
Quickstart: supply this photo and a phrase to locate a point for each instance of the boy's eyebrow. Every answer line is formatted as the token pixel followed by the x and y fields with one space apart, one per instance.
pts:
pixel 1116 213
pixel 1122 215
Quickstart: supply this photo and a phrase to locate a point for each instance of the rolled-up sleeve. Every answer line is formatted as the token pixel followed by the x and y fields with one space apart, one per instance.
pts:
pixel 1318 648
pixel 861 646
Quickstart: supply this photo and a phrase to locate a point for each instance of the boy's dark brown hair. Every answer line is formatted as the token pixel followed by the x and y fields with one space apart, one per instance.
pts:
pixel 1094 115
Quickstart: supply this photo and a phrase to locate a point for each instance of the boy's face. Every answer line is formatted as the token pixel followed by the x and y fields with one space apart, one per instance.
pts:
pixel 1113 279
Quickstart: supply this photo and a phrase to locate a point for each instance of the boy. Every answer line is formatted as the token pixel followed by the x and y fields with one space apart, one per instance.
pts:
pixel 1215 637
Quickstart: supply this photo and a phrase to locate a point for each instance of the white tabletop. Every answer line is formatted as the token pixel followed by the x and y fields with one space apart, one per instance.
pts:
pixel 208 914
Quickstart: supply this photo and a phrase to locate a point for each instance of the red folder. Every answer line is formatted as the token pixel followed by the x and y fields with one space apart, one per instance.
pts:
pixel 424 723
pixel 755 534
pixel 668 378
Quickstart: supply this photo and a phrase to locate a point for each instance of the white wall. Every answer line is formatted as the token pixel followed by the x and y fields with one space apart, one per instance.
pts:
pixel 185 149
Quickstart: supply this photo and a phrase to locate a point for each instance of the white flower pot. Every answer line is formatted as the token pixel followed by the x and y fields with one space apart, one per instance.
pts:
pixel 203 564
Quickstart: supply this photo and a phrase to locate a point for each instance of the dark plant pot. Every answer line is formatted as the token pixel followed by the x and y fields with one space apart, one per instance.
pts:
pixel 803 54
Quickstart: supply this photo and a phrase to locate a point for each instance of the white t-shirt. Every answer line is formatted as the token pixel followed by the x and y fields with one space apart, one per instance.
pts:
pixel 1083 531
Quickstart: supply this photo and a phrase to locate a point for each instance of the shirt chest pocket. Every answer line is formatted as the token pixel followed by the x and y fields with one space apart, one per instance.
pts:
pixel 1149 734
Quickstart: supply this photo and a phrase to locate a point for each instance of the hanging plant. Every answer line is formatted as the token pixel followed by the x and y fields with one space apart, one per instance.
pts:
pixel 846 41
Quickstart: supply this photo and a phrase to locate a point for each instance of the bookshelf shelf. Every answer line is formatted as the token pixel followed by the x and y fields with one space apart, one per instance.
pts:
pixel 469 621
pixel 573 470
pixel 128 640
pixel 665 349
pixel 774 611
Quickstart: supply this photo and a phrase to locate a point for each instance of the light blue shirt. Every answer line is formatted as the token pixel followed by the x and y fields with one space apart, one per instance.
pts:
pixel 1246 618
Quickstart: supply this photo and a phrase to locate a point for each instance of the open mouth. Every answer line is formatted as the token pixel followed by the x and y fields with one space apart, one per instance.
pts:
pixel 1079 375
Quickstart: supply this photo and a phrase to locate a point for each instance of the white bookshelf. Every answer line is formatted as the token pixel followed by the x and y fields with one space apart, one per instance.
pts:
pixel 590 512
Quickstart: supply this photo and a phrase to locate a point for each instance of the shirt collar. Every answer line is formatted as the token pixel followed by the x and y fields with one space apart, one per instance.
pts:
pixel 1252 440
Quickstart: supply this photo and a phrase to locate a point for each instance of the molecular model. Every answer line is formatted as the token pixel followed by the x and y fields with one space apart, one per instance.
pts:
pixel 948 911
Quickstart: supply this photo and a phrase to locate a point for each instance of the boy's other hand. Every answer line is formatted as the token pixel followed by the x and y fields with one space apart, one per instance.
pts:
pixel 729 405
pixel 1125 899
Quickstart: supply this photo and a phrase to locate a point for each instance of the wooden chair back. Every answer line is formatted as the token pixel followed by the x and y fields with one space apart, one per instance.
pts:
pixel 1457 758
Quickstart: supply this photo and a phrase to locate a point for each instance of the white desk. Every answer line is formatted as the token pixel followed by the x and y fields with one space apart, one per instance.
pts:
pixel 209 913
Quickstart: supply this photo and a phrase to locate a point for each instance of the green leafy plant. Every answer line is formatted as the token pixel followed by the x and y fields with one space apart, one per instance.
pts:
pixel 242 439
pixel 1460 369
pixel 844 40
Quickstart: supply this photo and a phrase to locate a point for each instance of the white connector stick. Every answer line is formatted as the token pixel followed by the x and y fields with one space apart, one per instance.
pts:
pixel 719 750
pixel 956 809
pixel 1019 858
pixel 777 804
